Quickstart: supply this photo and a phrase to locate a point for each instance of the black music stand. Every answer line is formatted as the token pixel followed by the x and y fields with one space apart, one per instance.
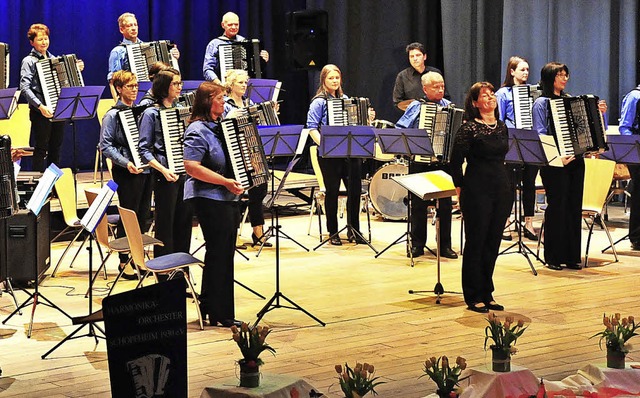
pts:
pixel 408 142
pixel 623 149
pixel 8 102
pixel 262 90
pixel 89 222
pixel 77 103
pixel 39 198
pixel 274 301
pixel 431 185
pixel 278 141
pixel 525 147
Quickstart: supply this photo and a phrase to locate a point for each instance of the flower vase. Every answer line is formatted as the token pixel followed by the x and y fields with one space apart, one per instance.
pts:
pixel 501 360
pixel 615 359
pixel 445 394
pixel 249 375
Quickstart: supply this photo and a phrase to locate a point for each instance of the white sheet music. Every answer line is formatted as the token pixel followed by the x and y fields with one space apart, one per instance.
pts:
pixel 99 206
pixel 428 185
pixel 551 150
pixel 302 141
pixel 42 191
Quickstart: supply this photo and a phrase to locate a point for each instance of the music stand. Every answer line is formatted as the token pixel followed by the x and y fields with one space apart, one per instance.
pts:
pixel 430 185
pixel 143 87
pixel 278 141
pixel 262 90
pixel 623 149
pixel 39 198
pixel 407 142
pixel 525 147
pixel 350 142
pixel 89 222
pixel 8 102
pixel 77 103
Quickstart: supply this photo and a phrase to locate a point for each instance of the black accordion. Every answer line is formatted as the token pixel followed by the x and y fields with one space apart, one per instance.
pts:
pixel 246 152
pixel 577 125
pixel 56 73
pixel 4 65
pixel 243 55
pixel 142 55
pixel 524 95
pixel 348 111
pixel 8 196
pixel 174 123
pixel 263 114
pixel 442 124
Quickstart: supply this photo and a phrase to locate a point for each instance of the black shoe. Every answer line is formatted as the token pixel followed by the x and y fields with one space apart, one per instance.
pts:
pixel 575 266
pixel 336 241
pixel 555 267
pixel 478 307
pixel 635 246
pixel 357 238
pixel 506 236
pixel 125 275
pixel 416 251
pixel 448 253
pixel 492 305
pixel 258 241
pixel 227 323
pixel 528 234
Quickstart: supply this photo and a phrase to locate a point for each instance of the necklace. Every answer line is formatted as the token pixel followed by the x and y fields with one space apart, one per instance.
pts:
pixel 490 126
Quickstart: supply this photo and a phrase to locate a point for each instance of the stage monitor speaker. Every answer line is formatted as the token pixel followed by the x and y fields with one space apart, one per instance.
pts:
pixel 308 39
pixel 24 246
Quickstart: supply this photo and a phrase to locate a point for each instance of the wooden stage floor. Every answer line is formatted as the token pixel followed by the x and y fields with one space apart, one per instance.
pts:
pixel 368 312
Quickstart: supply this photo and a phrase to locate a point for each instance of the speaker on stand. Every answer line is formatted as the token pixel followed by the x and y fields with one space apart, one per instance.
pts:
pixel 307 39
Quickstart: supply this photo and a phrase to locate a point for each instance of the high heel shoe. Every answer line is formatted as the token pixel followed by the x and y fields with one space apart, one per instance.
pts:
pixel 258 241
pixel 128 276
pixel 529 234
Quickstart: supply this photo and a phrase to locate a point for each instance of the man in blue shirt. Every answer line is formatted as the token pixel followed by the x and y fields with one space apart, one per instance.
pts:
pixel 211 66
pixel 630 124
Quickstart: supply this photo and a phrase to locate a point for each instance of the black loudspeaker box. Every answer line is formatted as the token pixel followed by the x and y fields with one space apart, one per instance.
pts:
pixel 308 39
pixel 24 246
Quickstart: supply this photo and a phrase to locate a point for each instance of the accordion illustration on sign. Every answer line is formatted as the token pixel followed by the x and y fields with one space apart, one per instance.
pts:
pixel 149 375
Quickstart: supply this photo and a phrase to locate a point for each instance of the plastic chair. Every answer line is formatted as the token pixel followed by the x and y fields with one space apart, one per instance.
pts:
pixel 318 198
pixel 598 174
pixel 169 264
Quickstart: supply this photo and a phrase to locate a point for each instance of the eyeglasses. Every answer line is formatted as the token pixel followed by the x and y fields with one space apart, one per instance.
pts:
pixel 131 86
pixel 177 84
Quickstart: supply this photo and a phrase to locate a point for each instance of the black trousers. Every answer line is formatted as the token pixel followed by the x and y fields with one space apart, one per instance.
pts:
pixel 219 224
pixel 172 215
pixel 419 209
pixel 256 213
pixel 46 138
pixel 335 170
pixel 634 217
pixel 563 217
pixel 527 175
pixel 134 193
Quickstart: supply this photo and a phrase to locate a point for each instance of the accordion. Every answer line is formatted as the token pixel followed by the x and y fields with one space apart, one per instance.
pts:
pixel 577 125
pixel 4 65
pixel 524 95
pixel 8 196
pixel 442 124
pixel 142 55
pixel 348 111
pixel 187 99
pixel 129 120
pixel 246 152
pixel 263 114
pixel 243 55
pixel 56 73
pixel 149 374
pixel 173 122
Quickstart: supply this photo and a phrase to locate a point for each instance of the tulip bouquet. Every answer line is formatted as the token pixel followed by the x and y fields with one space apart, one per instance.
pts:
pixel 251 341
pixel 504 335
pixel 357 382
pixel 445 376
pixel 617 331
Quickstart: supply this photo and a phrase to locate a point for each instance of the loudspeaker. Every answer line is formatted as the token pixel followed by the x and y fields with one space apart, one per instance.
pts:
pixel 25 247
pixel 308 39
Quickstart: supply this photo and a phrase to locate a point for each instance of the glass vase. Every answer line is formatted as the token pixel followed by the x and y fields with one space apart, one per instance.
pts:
pixel 615 359
pixel 249 375
pixel 500 359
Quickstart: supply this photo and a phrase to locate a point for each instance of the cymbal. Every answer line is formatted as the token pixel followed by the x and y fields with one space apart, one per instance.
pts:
pixel 402 105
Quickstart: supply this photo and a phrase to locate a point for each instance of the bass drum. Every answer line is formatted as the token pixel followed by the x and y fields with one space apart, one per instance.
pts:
pixel 387 196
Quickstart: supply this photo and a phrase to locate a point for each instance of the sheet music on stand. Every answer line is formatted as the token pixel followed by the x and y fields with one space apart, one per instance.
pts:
pixel 42 191
pixel 8 102
pixel 99 206
pixel 262 90
pixel 428 185
pixel 283 140
pixel 623 149
pixel 551 150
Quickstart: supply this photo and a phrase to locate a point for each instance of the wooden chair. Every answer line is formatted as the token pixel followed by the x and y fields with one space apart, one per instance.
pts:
pixel 103 107
pixel 169 264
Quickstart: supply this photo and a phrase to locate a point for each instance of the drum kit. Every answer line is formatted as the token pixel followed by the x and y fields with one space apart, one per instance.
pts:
pixel 387 196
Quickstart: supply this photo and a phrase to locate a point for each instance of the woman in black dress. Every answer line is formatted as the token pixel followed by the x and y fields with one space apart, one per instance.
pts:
pixel 485 198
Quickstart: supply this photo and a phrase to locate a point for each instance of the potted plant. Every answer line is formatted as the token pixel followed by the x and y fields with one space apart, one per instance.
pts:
pixel 504 336
pixel 251 341
pixel 445 376
pixel 616 333
pixel 359 381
